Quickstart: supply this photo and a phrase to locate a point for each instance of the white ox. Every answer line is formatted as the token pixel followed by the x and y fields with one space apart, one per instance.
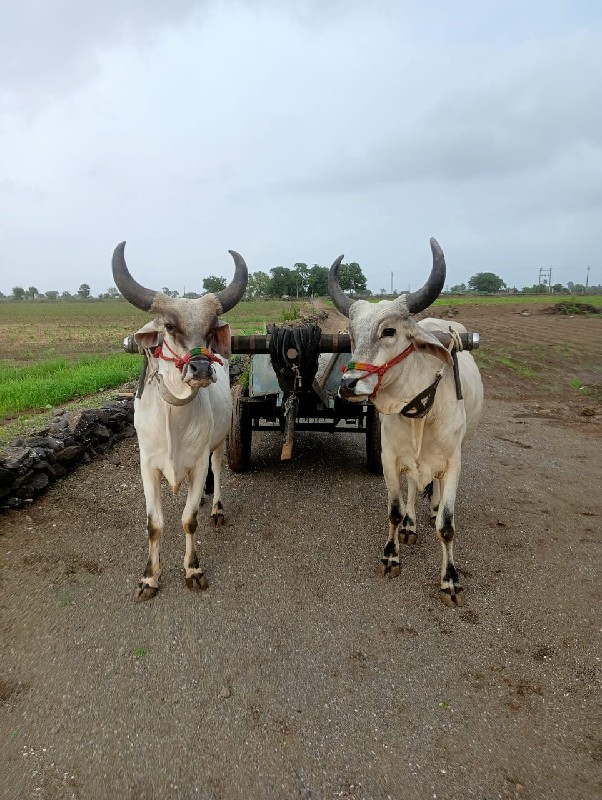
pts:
pixel 184 412
pixel 396 362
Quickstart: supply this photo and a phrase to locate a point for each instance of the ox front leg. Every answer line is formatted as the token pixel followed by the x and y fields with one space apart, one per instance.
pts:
pixel 217 509
pixel 407 534
pixel 451 591
pixel 389 565
pixel 195 577
pixel 149 583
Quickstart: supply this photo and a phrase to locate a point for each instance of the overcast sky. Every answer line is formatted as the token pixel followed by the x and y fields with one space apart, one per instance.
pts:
pixel 296 131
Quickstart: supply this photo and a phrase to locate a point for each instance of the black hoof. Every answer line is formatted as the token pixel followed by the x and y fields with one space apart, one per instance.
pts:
pixel 408 537
pixel 217 519
pixel 144 592
pixel 452 599
pixel 389 568
pixel 197 582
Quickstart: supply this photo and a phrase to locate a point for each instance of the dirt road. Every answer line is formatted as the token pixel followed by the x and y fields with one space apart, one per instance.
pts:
pixel 301 672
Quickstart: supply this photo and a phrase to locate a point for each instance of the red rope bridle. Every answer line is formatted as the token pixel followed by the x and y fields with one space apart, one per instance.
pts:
pixel 372 369
pixel 181 361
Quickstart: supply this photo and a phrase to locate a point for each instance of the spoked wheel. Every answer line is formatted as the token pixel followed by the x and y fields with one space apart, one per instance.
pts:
pixel 241 432
pixel 373 454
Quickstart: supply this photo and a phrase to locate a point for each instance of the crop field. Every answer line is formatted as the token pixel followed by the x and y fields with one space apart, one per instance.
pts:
pixel 511 299
pixel 55 352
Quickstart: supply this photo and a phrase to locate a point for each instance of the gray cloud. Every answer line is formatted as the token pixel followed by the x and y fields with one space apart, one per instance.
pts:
pixel 292 132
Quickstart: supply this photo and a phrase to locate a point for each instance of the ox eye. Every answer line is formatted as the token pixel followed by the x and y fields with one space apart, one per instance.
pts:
pixel 169 327
pixel 388 332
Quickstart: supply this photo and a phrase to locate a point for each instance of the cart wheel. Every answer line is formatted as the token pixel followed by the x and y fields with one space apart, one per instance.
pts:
pixel 373 454
pixel 241 432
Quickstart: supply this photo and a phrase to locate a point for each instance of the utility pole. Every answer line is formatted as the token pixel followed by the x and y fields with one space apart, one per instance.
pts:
pixel 587 279
pixel 391 282
pixel 545 275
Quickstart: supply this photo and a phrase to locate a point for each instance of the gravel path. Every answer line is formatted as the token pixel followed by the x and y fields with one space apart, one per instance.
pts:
pixel 301 672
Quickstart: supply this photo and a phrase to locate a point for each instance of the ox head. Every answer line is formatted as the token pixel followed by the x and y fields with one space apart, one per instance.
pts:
pixel 184 324
pixel 382 331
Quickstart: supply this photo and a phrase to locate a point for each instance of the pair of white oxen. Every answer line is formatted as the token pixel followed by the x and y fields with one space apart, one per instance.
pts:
pixel 183 415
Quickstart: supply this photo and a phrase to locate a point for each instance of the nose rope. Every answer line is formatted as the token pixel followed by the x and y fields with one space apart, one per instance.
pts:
pixel 372 369
pixel 181 361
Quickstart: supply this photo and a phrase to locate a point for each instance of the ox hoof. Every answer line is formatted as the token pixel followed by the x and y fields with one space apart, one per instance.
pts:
pixel 452 600
pixel 197 582
pixel 433 520
pixel 408 537
pixel 217 519
pixel 389 569
pixel 144 592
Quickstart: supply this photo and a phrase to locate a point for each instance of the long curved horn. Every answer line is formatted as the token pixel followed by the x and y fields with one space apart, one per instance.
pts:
pixel 421 299
pixel 230 296
pixel 339 298
pixel 136 294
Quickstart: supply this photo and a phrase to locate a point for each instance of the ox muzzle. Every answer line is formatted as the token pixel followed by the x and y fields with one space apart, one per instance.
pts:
pixel 199 372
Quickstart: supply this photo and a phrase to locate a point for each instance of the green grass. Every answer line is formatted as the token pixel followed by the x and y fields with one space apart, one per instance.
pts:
pixel 516 366
pixel 514 299
pixel 50 383
pixel 487 359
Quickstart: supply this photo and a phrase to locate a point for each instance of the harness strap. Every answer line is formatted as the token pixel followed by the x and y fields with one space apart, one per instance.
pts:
pixel 181 361
pixel 372 369
pixel 423 402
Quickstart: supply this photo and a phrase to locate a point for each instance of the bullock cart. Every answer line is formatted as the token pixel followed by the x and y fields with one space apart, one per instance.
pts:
pixel 292 385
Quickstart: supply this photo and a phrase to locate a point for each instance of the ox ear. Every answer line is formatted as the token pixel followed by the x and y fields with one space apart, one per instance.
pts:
pixel 423 341
pixel 220 339
pixel 150 335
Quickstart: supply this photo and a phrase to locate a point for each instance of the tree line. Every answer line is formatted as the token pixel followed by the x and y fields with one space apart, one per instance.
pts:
pixel 490 283
pixel 300 281
pixel 305 281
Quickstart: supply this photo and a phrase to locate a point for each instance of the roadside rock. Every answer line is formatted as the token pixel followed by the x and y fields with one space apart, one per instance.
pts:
pixel 32 463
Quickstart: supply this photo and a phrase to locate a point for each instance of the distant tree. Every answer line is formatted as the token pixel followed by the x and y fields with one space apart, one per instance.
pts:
pixel 486 282
pixel 113 293
pixel 66 295
pixel 170 292
pixel 258 285
pixel 570 286
pixel 558 287
pixel 214 284
pixel 2 296
pixel 83 291
pixel 383 292
pixel 578 288
pixel 301 271
pixel 32 293
pixel 459 287
pixel 18 293
pixel 51 295
pixel 317 281
pixel 282 282
pixel 351 278
pixel 191 295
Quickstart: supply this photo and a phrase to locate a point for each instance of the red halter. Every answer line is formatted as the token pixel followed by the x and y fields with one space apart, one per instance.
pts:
pixel 181 361
pixel 372 369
